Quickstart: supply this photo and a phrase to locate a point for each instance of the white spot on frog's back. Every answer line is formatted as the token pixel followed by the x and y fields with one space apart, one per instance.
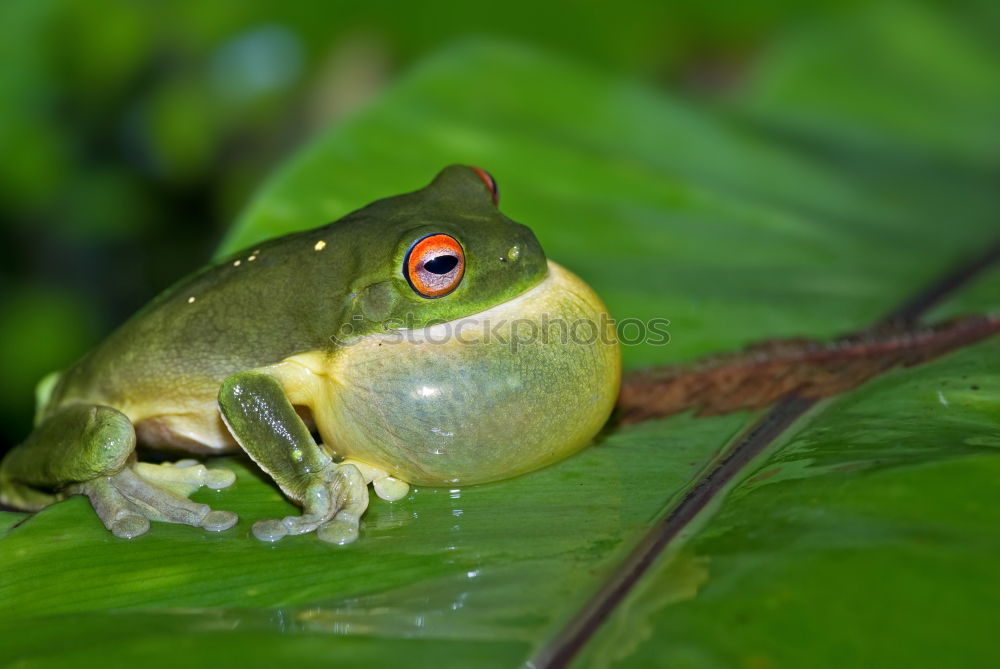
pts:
pixel 191 299
pixel 236 263
pixel 320 245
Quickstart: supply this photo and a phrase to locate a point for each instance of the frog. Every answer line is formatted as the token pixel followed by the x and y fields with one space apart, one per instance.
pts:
pixel 422 340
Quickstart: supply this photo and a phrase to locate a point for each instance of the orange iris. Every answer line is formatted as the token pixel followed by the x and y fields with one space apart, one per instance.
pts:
pixel 434 265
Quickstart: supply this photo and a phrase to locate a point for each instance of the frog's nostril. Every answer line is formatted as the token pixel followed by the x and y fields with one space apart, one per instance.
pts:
pixel 441 264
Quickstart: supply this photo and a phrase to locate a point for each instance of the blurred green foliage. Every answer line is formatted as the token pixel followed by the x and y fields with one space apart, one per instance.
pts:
pixel 134 132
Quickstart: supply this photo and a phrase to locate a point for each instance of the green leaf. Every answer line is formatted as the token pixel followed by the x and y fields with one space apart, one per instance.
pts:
pixel 868 538
pixel 668 210
pixel 914 80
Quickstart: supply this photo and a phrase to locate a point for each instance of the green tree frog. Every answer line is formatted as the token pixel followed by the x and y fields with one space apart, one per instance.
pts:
pixel 425 339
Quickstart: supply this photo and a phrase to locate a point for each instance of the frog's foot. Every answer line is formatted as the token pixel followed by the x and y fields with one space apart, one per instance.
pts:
pixel 333 501
pixel 128 500
pixel 385 485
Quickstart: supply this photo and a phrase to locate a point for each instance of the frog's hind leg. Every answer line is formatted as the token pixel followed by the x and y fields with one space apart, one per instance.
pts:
pixel 78 443
pixel 89 449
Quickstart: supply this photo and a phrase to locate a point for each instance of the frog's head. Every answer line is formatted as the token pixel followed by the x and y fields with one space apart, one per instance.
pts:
pixel 437 254
pixel 476 358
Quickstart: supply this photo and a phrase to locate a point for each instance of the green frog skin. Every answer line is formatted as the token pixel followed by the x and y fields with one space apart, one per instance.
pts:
pixel 425 338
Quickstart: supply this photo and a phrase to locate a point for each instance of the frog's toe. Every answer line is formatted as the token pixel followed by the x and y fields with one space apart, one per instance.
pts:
pixel 318 511
pixel 185 476
pixel 129 526
pixel 343 529
pixel 390 488
pixel 270 530
pixel 217 521
pixel 123 518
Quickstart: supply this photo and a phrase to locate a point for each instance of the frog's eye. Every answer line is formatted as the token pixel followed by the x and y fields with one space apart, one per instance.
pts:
pixel 490 182
pixel 434 265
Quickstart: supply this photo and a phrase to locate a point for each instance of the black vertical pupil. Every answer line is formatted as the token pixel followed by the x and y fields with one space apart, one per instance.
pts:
pixel 441 264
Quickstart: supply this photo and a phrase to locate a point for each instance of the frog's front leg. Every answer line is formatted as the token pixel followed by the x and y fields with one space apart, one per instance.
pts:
pixel 262 420
pixel 89 449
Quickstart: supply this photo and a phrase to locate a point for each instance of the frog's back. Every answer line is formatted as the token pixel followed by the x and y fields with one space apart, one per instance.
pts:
pixel 164 366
